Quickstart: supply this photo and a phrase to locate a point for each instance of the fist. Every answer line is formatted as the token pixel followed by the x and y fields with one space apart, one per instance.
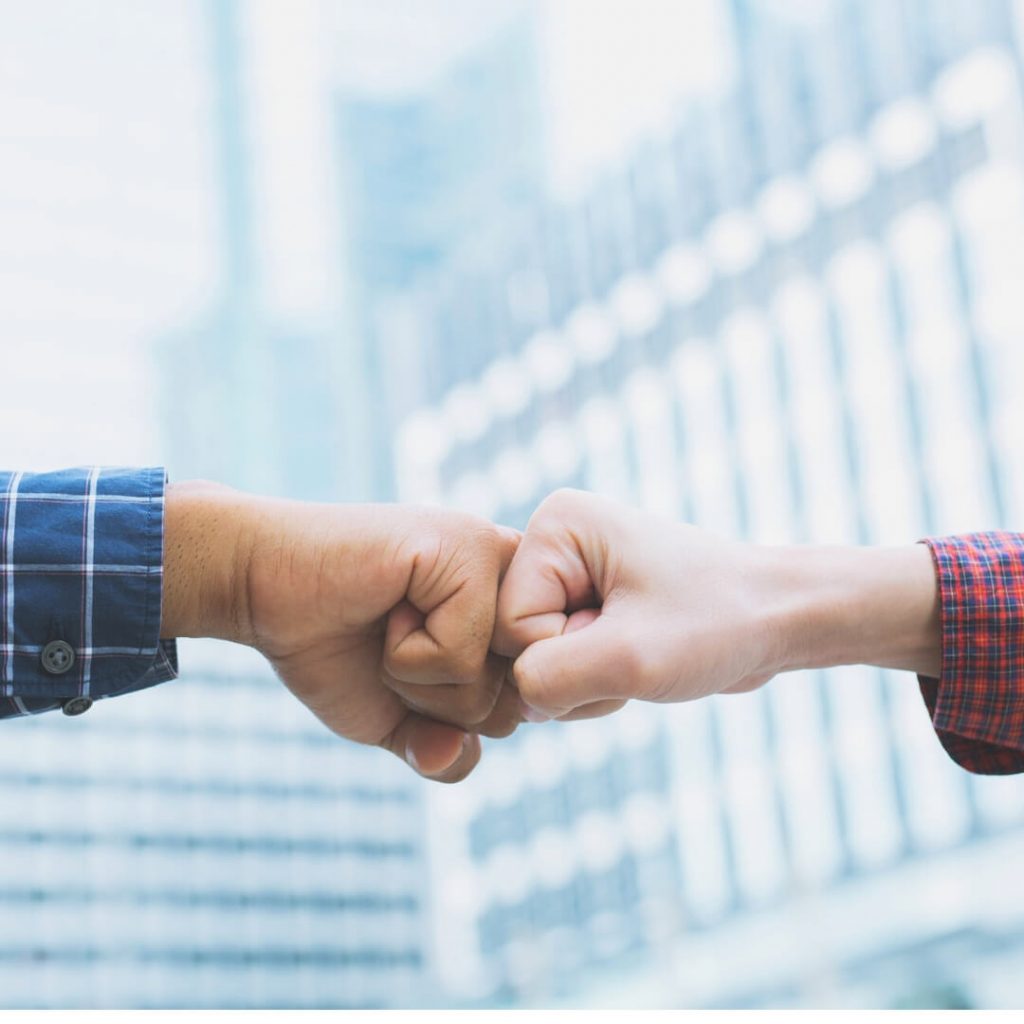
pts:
pixel 603 604
pixel 380 618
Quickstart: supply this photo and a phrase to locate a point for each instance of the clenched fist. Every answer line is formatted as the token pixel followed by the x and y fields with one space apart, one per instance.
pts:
pixel 378 617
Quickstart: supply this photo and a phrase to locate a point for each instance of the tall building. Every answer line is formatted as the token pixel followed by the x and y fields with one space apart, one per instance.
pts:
pixel 311 852
pixel 250 858
pixel 430 176
pixel 796 320
pixel 250 387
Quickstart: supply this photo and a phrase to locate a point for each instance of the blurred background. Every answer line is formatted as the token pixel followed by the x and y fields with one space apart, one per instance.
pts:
pixel 755 264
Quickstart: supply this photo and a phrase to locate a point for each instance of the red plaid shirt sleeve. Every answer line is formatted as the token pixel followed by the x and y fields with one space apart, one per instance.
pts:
pixel 977 704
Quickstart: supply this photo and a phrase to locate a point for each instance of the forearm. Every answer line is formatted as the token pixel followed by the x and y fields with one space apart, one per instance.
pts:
pixel 848 606
pixel 237 564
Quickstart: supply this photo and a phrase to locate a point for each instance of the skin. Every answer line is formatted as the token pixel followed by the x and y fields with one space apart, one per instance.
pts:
pixel 604 604
pixel 378 617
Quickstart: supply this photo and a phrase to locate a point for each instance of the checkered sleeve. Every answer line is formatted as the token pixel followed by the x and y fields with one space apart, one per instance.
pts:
pixel 81 564
pixel 977 703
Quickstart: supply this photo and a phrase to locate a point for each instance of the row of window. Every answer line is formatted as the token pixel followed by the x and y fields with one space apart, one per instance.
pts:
pixel 606 787
pixel 282 845
pixel 618 899
pixel 222 899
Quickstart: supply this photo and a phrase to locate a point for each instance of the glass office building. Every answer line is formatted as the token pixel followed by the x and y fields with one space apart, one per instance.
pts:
pixel 429 176
pixel 310 853
pixel 288 398
pixel 797 319
pixel 207 843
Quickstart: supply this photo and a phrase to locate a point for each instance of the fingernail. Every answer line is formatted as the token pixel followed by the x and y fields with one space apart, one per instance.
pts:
pixel 413 761
pixel 531 714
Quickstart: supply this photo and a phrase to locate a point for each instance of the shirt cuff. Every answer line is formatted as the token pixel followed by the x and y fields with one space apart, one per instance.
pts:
pixel 977 703
pixel 81 581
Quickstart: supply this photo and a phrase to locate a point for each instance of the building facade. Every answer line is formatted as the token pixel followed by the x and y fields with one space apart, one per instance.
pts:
pixel 792 321
pixel 290 392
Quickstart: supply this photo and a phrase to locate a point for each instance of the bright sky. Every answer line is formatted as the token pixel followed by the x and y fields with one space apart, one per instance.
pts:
pixel 615 72
pixel 104 221
pixel 612 71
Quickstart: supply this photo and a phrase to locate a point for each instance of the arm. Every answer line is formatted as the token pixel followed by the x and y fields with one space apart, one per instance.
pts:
pixel 379 618
pixel 603 604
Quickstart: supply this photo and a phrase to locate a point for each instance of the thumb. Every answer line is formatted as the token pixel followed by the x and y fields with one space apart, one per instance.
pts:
pixel 597 662
pixel 436 750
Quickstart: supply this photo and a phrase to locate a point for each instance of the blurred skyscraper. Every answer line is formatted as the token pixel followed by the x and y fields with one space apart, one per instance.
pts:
pixel 285 394
pixel 251 392
pixel 797 319
pixel 430 178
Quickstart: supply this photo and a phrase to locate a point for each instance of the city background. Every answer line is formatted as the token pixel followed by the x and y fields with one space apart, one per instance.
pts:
pixel 753 264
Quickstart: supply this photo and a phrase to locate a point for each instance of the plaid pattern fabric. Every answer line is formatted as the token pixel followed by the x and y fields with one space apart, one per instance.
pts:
pixel 977 704
pixel 81 561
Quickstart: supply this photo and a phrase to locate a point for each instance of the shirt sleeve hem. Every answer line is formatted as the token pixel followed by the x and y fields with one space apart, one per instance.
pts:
pixel 968 712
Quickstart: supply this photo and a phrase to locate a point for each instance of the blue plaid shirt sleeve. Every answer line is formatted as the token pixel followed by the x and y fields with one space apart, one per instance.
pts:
pixel 81 572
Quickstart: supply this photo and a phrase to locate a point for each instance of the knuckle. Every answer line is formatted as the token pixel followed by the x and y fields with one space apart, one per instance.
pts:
pixel 475 535
pixel 561 500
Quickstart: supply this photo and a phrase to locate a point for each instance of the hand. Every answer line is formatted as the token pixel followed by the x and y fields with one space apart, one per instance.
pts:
pixel 603 603
pixel 379 618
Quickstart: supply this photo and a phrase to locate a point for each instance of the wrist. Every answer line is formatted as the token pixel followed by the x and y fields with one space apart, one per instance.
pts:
pixel 207 538
pixel 856 606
